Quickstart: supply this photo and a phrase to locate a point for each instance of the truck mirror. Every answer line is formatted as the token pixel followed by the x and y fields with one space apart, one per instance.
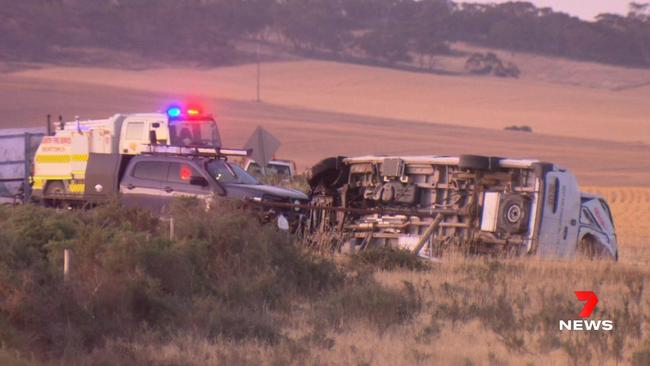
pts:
pixel 198 181
pixel 153 139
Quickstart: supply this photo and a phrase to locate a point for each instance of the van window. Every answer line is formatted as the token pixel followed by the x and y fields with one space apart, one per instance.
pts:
pixel 151 170
pixel 181 173
pixel 278 169
pixel 553 192
pixel 585 217
pixel 606 208
pixel 135 131
pixel 557 195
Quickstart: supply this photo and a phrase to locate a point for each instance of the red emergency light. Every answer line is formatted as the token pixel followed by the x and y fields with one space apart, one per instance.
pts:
pixel 178 112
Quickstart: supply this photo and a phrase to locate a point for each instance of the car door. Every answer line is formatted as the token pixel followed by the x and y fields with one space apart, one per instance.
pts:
pixel 178 183
pixel 142 185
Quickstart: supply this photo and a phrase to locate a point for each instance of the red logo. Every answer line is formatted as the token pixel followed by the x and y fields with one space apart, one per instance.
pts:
pixel 590 304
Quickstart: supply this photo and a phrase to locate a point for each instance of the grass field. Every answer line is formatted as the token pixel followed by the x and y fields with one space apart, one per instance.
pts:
pixel 461 312
pixel 559 109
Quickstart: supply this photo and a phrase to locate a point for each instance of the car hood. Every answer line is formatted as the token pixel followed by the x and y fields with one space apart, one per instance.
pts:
pixel 258 190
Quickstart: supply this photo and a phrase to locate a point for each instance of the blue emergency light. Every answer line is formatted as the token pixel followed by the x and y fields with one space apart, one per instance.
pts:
pixel 173 112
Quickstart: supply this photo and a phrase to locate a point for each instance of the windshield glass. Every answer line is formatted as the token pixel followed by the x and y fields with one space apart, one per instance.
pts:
pixel 194 133
pixel 229 173
pixel 271 169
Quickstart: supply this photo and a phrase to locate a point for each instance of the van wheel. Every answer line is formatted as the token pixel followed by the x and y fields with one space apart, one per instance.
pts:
pixel 329 172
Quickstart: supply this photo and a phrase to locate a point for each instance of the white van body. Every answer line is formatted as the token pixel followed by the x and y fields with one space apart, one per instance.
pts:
pixel 472 204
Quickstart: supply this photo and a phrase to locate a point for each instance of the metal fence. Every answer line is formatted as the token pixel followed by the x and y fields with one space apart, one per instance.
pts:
pixel 17 150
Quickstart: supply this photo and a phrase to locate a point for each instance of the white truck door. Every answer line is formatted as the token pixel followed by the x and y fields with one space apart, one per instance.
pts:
pixel 558 232
pixel 133 135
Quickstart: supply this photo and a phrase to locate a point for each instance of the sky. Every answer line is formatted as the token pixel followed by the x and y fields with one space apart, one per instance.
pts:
pixel 585 9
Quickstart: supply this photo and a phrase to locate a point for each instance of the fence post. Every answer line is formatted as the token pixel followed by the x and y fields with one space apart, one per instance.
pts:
pixel 171 228
pixel 27 187
pixel 66 264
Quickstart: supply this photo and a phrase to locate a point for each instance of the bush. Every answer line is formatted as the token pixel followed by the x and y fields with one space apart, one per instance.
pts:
pixel 522 128
pixel 223 275
pixel 387 258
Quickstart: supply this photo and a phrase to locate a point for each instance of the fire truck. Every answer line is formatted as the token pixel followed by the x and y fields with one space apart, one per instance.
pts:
pixel 62 158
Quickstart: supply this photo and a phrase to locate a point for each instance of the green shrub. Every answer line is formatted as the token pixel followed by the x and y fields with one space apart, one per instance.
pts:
pixel 224 274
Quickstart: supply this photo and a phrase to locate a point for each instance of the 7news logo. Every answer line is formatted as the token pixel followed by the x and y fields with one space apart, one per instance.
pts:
pixel 590 299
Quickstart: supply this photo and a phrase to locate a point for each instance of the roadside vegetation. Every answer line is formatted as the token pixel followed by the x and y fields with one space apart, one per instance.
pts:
pixel 228 290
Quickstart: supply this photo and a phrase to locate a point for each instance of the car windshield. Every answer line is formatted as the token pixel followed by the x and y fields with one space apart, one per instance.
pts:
pixel 194 133
pixel 224 172
pixel 271 169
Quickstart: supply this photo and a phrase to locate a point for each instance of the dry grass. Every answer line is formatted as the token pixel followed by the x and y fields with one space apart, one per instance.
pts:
pixel 469 312
pixel 459 312
pixel 559 109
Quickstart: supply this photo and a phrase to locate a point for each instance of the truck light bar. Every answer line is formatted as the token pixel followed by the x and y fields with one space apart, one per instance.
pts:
pixel 197 151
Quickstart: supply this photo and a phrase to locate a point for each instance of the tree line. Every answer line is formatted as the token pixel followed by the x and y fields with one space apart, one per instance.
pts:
pixel 383 31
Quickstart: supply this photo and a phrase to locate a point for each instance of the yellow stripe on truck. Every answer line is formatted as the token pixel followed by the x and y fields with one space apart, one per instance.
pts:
pixel 44 159
pixel 52 177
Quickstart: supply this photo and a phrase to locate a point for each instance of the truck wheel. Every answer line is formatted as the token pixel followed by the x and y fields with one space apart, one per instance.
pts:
pixel 329 172
pixel 55 188
pixel 478 162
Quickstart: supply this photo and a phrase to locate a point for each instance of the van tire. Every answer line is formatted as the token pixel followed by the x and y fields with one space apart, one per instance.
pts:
pixel 330 172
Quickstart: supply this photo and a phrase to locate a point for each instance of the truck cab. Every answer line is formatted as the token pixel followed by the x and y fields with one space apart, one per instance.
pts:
pixel 61 160
pixel 283 169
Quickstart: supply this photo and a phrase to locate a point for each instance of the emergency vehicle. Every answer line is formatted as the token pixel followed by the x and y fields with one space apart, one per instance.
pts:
pixel 61 160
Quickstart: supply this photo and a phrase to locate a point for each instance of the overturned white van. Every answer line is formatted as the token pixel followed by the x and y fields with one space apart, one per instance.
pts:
pixel 470 204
